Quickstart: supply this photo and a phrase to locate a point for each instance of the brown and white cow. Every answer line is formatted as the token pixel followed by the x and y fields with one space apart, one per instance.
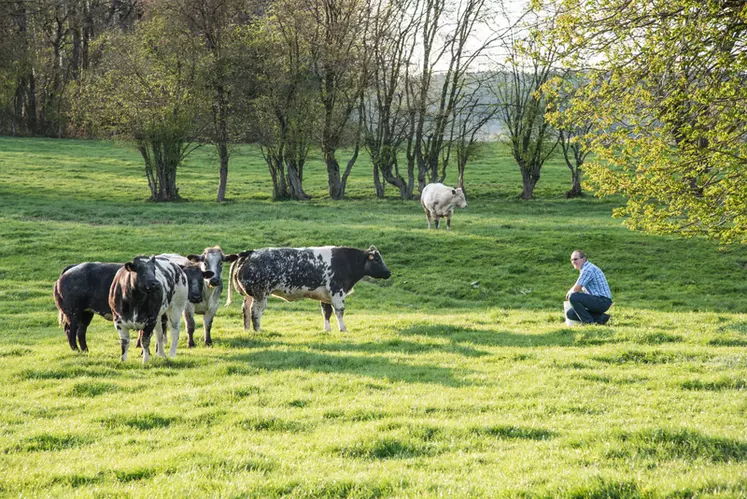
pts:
pixel 211 263
pixel 327 274
pixel 142 292
pixel 438 200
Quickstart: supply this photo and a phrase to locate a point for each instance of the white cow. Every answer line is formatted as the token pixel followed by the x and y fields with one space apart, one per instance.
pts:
pixel 439 200
pixel 211 261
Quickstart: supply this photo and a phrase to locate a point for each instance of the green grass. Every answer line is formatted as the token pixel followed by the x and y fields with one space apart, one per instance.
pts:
pixel 458 378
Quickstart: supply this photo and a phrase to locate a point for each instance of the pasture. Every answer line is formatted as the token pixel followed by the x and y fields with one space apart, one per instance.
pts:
pixel 458 377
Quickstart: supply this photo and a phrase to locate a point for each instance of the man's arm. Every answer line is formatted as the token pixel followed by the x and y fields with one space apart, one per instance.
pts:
pixel 575 289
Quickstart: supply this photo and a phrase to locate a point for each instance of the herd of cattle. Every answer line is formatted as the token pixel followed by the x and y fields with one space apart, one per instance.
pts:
pixel 147 294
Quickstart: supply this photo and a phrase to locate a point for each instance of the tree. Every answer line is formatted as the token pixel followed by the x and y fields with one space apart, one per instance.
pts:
pixel 286 105
pixel 145 89
pixel 340 67
pixel 521 103
pixel 473 110
pixel 573 137
pixel 667 95
pixel 214 24
pixel 46 45
pixel 451 43
pixel 385 117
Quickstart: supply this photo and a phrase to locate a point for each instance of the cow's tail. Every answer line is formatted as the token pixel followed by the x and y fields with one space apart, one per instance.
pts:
pixel 231 276
pixel 58 302
pixel 232 273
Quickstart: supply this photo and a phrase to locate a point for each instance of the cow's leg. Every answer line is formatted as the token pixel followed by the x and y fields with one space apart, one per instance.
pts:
pixel 327 313
pixel 71 327
pixel 428 217
pixel 160 337
pixel 246 308
pixel 189 320
pixel 174 325
pixel 85 320
pixel 207 324
pixel 147 333
pixel 124 338
pixel 438 221
pixel 258 306
pixel 448 222
pixel 338 303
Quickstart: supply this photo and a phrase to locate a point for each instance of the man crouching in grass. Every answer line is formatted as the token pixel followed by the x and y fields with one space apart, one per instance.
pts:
pixel 590 297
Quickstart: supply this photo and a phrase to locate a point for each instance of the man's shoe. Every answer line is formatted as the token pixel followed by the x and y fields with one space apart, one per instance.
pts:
pixel 603 319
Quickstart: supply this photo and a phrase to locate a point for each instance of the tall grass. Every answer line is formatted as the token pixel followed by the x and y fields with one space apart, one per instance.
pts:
pixel 458 378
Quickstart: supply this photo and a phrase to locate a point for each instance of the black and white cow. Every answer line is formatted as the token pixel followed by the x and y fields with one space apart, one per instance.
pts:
pixel 211 263
pixel 327 274
pixel 81 291
pixel 143 291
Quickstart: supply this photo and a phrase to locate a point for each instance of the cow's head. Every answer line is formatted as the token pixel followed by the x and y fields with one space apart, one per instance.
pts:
pixel 212 260
pixel 195 281
pixel 144 270
pixel 458 196
pixel 375 266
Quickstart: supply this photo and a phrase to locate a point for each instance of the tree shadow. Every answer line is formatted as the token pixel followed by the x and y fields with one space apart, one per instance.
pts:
pixel 370 366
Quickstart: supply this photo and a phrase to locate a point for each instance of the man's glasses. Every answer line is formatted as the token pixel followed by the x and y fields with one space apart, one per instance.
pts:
pixel 574 259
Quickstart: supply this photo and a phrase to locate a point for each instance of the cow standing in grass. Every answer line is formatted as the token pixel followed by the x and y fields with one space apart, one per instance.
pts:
pixel 81 291
pixel 143 291
pixel 210 261
pixel 439 200
pixel 327 274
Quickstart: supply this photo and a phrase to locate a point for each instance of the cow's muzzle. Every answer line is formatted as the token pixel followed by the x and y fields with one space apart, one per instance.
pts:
pixel 214 283
pixel 195 298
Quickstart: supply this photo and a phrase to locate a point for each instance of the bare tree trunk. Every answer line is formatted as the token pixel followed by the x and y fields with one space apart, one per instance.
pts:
pixel 529 180
pixel 575 184
pixel 333 175
pixel 295 183
pixel 221 116
pixel 378 185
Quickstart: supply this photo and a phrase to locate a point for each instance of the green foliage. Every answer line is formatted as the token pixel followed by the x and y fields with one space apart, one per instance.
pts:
pixel 459 377
pixel 666 97
pixel 146 89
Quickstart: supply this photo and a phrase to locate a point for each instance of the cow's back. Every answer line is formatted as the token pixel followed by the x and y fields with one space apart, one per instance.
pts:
pixel 86 287
pixel 432 193
pixel 272 268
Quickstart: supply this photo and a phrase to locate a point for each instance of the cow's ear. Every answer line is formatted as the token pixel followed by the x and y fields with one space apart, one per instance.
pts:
pixel 230 258
pixel 372 248
pixel 208 274
pixel 128 267
pixel 453 191
pixel 195 258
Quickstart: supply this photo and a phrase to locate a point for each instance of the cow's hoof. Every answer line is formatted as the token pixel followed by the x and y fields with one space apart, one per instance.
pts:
pixel 208 343
pixel 191 344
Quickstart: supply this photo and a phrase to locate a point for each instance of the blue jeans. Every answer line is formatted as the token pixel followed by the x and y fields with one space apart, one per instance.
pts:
pixel 587 308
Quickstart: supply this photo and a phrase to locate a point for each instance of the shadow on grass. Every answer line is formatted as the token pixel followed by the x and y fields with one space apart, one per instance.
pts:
pixel 566 337
pixel 398 345
pixel 665 444
pixel 351 364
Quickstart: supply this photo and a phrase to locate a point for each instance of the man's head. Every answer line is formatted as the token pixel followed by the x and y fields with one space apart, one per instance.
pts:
pixel 578 259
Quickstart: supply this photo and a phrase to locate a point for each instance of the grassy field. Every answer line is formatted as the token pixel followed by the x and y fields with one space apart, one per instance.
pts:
pixel 458 378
